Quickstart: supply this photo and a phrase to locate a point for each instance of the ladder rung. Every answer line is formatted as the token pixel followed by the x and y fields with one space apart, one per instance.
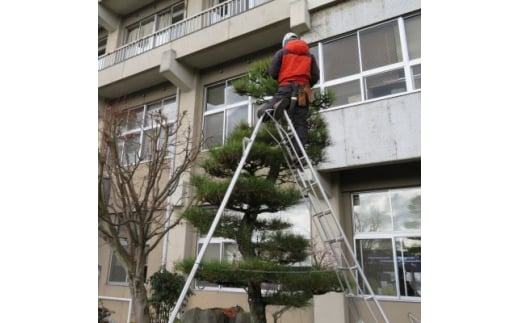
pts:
pixel 322 213
pixel 334 240
pixel 348 268
pixel 308 187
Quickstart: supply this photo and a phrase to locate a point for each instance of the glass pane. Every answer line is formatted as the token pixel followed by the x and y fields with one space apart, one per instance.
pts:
pixel 131 147
pixel 408 252
pixel 314 51
pixel 169 108
pixel 120 145
pixel 231 253
pixel 213 128
pixel 371 212
pixel 132 35
pixel 376 258
pixel 406 209
pixel 214 97
pixel 340 58
pixel 146 28
pixel 387 83
pixel 346 93
pixel 234 117
pixel 380 45
pixel 153 114
pixel 212 251
pixel 147 145
pixel 178 12
pixel 416 72
pixel 413 36
pixel 232 96
pixel 150 139
pixel 102 46
pixel 117 272
pixel 164 20
pixel 135 119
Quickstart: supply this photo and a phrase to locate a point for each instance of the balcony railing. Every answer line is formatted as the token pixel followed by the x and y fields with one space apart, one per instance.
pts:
pixel 182 28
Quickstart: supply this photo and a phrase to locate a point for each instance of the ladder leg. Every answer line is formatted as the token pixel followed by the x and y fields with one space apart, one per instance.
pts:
pixel 327 224
pixel 215 223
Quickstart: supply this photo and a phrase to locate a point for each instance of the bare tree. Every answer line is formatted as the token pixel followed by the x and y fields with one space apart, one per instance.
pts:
pixel 136 180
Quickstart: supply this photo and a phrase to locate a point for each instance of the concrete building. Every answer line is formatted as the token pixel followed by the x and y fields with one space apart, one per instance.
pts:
pixel 182 55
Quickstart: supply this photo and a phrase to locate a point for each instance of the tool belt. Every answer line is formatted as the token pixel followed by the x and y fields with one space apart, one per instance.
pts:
pixel 301 93
pixel 304 94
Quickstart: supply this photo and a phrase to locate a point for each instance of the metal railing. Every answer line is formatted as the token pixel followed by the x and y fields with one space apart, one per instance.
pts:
pixel 177 30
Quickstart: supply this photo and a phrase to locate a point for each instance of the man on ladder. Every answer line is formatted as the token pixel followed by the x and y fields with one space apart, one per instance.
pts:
pixel 296 71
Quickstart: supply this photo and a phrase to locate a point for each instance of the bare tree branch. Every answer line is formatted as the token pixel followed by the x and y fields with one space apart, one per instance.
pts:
pixel 136 181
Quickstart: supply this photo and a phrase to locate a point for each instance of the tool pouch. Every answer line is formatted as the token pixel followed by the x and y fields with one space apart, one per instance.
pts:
pixel 304 94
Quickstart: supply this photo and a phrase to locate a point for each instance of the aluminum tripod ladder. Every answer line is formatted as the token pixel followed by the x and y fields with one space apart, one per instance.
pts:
pixel 362 303
pixel 332 236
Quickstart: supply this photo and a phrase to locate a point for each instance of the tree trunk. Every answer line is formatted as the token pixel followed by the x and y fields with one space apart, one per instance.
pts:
pixel 140 300
pixel 256 304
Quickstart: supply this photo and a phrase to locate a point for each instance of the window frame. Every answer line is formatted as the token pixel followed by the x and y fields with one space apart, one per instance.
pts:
pixel 406 64
pixel 143 127
pixel 115 262
pixel 176 10
pixel 225 108
pixel 220 241
pixel 102 45
pixel 393 236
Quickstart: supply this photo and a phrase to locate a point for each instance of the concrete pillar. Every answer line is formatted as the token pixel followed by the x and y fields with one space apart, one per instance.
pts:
pixel 179 75
pixel 300 19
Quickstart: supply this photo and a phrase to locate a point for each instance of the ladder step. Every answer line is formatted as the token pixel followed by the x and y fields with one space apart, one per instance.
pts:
pixel 310 186
pixel 334 240
pixel 348 268
pixel 323 213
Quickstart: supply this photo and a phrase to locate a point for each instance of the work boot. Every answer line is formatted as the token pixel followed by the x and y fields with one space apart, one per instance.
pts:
pixel 263 110
pixel 279 107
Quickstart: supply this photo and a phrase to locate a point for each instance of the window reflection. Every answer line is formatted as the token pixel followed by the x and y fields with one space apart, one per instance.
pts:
pixel 387 83
pixel 380 45
pixel 387 239
pixel 408 251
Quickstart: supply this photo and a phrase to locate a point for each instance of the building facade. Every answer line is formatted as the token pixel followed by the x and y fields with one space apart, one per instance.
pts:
pixel 183 55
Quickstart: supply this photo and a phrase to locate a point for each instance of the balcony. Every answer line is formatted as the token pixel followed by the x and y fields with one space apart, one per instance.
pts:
pixel 231 30
pixel 185 27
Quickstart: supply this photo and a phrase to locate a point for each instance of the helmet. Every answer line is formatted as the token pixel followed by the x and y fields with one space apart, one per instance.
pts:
pixel 288 37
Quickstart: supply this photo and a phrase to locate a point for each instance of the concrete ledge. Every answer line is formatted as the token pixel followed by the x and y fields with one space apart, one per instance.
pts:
pixel 300 19
pixel 175 72
pixel 107 19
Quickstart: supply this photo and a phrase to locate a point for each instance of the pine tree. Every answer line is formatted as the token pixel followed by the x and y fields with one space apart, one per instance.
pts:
pixel 268 249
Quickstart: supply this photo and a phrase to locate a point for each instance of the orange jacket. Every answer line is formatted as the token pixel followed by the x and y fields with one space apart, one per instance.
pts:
pixel 294 63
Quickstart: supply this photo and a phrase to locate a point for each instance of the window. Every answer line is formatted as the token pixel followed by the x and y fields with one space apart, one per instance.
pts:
pixel 135 140
pixel 102 46
pixel 223 111
pixel 373 62
pixel 387 237
pixel 117 273
pixel 152 24
pixel 224 250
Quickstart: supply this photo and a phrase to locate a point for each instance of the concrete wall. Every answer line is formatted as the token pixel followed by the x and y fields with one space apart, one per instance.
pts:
pixel 387 130
pixel 354 14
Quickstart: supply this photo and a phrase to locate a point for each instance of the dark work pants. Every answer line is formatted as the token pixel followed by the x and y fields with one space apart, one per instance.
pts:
pixel 298 116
